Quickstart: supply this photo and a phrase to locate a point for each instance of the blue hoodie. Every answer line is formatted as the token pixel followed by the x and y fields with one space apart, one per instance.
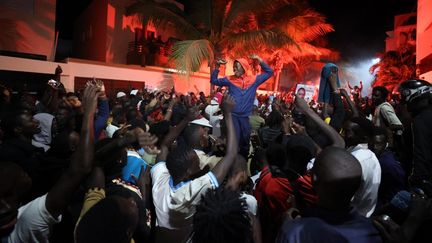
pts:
pixel 324 88
pixel 244 96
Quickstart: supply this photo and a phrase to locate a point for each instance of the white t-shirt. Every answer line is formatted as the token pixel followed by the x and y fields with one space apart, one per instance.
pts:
pixel 365 199
pixel 111 129
pixel 175 205
pixel 34 222
pixel 251 202
pixel 206 160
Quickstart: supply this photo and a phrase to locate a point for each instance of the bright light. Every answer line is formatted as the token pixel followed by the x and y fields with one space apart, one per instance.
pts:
pixel 359 71
pixel 376 60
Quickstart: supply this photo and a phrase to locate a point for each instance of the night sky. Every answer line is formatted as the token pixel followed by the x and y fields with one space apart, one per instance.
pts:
pixel 360 25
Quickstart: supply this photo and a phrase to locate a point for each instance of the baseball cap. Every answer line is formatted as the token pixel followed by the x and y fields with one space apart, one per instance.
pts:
pixel 134 92
pixel 202 122
pixel 120 94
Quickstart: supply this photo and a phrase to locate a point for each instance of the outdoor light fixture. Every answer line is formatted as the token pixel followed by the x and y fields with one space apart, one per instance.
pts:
pixel 376 60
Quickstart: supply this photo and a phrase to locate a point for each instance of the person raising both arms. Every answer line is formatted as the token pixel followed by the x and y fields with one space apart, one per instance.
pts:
pixel 242 87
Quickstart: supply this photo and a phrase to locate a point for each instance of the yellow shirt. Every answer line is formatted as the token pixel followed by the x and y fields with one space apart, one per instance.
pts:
pixel 93 196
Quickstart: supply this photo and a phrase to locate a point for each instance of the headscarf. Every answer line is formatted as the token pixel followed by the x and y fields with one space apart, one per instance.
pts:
pixel 325 88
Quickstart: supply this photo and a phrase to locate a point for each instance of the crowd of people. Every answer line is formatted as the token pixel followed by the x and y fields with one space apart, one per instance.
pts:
pixel 228 167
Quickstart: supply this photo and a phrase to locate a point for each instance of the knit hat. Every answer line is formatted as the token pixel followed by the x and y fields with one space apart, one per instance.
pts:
pixel 218 97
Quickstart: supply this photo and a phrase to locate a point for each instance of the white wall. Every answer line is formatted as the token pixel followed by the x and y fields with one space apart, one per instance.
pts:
pixel 154 77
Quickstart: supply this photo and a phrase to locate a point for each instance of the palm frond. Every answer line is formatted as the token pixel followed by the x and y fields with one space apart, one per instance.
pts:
pixel 257 40
pixel 162 16
pixel 305 49
pixel 189 55
pixel 274 16
pixel 217 17
pixel 239 8
pixel 307 26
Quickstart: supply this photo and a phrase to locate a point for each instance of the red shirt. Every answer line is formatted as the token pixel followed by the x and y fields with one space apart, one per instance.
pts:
pixel 272 193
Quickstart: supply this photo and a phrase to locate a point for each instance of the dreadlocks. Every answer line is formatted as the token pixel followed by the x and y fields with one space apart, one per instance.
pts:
pixel 222 217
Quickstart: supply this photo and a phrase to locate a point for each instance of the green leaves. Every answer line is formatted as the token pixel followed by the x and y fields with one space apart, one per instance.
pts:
pixel 189 55
pixel 238 28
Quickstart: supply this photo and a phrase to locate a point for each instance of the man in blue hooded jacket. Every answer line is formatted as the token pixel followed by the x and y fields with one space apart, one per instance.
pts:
pixel 242 86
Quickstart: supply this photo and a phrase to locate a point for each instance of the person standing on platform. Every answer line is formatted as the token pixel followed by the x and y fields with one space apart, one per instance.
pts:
pixel 242 86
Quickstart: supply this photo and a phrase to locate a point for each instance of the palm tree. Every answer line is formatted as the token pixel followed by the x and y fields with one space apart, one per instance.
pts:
pixel 394 67
pixel 234 28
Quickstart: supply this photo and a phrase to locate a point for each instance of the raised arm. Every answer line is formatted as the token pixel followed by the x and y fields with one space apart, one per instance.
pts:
pixel 214 76
pixel 267 71
pixel 169 111
pixel 103 111
pixel 330 132
pixel 175 132
pixel 223 167
pixel 81 163
pixel 355 112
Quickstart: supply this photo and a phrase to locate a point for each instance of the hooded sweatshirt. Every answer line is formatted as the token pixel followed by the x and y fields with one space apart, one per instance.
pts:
pixel 44 138
pixel 243 88
pixel 325 88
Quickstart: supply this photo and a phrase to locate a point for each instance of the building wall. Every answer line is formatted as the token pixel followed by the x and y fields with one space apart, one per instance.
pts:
pixel 404 32
pixel 390 41
pixel 90 32
pixel 28 26
pixel 424 39
pixel 154 77
pixel 121 30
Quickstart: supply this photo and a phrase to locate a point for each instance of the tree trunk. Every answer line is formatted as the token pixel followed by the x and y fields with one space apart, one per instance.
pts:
pixel 276 82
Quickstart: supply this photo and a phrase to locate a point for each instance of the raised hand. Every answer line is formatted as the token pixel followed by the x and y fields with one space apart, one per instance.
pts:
pixel 301 104
pixel 256 57
pixel 193 113
pixel 148 143
pixel 219 62
pixel 101 85
pixel 228 103
pixel 90 97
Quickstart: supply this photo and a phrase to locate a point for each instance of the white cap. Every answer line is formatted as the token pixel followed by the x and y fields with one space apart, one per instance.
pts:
pixel 202 122
pixel 134 92
pixel 121 94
